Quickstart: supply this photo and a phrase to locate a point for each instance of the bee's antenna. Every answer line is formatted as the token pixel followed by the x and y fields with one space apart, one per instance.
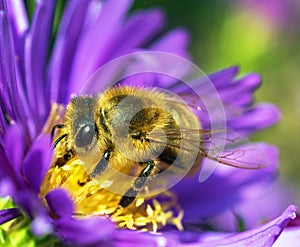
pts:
pixel 59 139
pixel 57 126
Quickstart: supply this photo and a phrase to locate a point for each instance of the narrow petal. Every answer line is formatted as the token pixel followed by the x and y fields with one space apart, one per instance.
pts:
pixel 138 31
pixel 249 82
pixel 37 162
pixel 9 97
pixel 37 46
pixel 259 117
pixel 175 42
pixel 64 49
pixel 9 214
pixel 97 41
pixel 6 169
pixel 239 93
pixel 224 77
pixel 18 17
pixel 14 147
pixel 19 24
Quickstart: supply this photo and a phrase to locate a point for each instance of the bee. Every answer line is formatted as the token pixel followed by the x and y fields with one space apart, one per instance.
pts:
pixel 137 131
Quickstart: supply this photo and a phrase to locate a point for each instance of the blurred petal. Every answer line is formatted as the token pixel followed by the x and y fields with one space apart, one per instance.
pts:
pixel 245 214
pixel 37 46
pixel 126 238
pixel 83 231
pixel 259 117
pixel 41 226
pixel 175 42
pixel 237 90
pixel 262 236
pixel 14 147
pixel 37 162
pixel 224 77
pixel 70 29
pixel 9 100
pixel 93 46
pixel 19 24
pixel 224 188
pixel 9 214
pixel 89 231
pixel 65 206
pixel 7 186
pixel 30 203
pixel 138 31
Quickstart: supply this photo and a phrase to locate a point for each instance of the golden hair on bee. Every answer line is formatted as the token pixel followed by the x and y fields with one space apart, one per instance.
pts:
pixel 138 132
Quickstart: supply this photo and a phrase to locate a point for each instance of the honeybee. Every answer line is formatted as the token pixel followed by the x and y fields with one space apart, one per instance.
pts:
pixel 138 131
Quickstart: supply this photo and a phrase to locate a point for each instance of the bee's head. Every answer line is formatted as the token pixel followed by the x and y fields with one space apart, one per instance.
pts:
pixel 84 128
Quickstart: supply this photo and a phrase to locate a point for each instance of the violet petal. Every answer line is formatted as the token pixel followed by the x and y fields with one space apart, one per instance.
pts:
pixel 261 116
pixel 7 186
pixel 127 238
pixel 37 46
pixel 224 188
pixel 92 230
pixel 87 231
pixel 262 236
pixel 9 214
pixel 224 77
pixel 14 147
pixel 175 42
pixel 65 207
pixel 140 28
pixel 30 203
pixel 37 162
pixel 9 100
pixel 95 44
pixel 19 23
pixel 41 226
pixel 64 49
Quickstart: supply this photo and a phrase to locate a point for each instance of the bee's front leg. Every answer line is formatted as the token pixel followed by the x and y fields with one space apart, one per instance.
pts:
pixel 137 185
pixel 102 164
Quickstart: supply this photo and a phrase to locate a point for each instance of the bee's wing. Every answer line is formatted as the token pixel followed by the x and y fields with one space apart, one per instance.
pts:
pixel 211 110
pixel 248 156
pixel 235 153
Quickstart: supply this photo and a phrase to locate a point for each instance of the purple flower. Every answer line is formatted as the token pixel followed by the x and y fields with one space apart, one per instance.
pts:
pixel 90 35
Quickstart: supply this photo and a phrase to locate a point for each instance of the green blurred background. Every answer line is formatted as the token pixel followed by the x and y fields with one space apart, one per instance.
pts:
pixel 261 36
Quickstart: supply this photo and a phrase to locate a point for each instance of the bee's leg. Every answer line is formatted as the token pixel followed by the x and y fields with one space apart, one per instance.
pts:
pixel 69 154
pixel 138 183
pixel 102 164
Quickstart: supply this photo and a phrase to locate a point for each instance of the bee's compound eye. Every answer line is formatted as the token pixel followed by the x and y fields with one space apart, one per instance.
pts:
pixel 85 135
